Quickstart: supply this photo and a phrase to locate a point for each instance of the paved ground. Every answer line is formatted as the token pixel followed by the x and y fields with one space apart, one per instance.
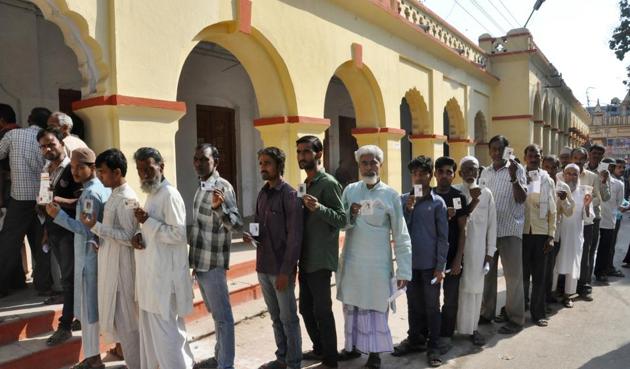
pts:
pixel 592 335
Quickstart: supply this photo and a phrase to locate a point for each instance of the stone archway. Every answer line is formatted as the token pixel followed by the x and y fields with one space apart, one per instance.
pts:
pixel 419 113
pixel 365 94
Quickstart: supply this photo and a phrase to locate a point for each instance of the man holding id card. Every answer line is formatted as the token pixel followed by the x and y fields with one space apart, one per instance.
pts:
pixel 93 199
pixel 538 232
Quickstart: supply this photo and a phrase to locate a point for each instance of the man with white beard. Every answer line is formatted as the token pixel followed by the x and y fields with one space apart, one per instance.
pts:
pixel 163 283
pixel 364 282
pixel 481 240
pixel 570 254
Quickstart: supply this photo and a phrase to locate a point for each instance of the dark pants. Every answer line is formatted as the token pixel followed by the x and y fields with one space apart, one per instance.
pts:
pixel 534 262
pixel 611 259
pixel 550 265
pixel 602 263
pixel 62 245
pixel 450 285
pixel 424 309
pixel 21 220
pixel 586 269
pixel 316 310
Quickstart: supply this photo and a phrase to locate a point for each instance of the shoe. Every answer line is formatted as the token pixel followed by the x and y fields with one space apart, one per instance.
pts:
pixel 616 273
pixel 373 362
pixel 502 317
pixel 60 335
pixel 312 356
pixel 274 364
pixel 85 364
pixel 484 321
pixel 407 347
pixel 602 279
pixel 542 322
pixel 210 363
pixel 477 339
pixel 586 297
pixel 76 325
pixel 345 355
pixel 568 303
pixel 510 328
pixel 433 358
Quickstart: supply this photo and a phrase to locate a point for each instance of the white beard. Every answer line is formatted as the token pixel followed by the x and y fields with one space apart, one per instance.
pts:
pixel 149 187
pixel 371 180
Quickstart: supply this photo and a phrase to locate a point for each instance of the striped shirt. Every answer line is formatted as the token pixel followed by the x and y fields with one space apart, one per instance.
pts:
pixel 510 214
pixel 211 233
pixel 26 161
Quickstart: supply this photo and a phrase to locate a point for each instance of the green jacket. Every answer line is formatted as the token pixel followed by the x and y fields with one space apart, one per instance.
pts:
pixel 320 243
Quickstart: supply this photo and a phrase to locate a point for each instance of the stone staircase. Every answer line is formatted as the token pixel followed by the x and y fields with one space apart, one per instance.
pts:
pixel 26 322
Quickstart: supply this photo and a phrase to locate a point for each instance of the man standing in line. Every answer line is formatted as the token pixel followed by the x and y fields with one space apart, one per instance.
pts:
pixel 538 233
pixel 163 283
pixel 215 216
pixel 279 221
pixel 457 212
pixel 600 193
pixel 603 265
pixel 617 173
pixel 26 162
pixel 366 278
pixel 118 311
pixel 324 216
pixel 564 157
pixel 481 239
pixel 92 201
pixel 63 122
pixel 60 240
pixel 426 218
pixel 505 178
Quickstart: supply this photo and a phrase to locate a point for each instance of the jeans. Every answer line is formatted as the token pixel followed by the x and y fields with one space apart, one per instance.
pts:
pixel 286 324
pixel 62 245
pixel 450 285
pixel 316 310
pixel 214 290
pixel 21 220
pixel 424 309
pixel 534 263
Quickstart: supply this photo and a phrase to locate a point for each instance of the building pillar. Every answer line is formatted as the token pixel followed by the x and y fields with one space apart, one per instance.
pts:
pixel 282 132
pixel 554 141
pixel 428 145
pixel 538 132
pixel 388 139
pixel 546 138
pixel 482 154
pixel 519 131
pixel 460 147
pixel 123 122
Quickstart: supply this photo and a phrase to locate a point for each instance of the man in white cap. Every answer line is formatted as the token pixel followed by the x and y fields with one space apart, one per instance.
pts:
pixel 481 239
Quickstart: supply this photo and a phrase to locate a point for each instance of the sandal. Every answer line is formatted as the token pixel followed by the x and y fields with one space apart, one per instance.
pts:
pixel 60 335
pixel 568 303
pixel 274 364
pixel 502 317
pixel 373 362
pixel 345 355
pixel 542 322
pixel 433 359
pixel 210 363
pixel 477 339
pixel 407 347
pixel 510 328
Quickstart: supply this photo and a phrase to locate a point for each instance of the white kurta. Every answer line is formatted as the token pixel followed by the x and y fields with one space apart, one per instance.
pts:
pixel 162 267
pixel 572 238
pixel 481 240
pixel 116 264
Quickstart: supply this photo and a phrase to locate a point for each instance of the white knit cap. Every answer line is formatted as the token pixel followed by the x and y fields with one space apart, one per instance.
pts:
pixel 468 158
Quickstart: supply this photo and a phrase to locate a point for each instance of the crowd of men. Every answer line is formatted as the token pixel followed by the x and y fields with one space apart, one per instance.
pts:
pixel 125 266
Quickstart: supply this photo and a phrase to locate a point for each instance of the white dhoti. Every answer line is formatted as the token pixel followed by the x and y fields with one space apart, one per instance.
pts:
pixel 468 312
pixel 89 332
pixel 163 342
pixel 126 332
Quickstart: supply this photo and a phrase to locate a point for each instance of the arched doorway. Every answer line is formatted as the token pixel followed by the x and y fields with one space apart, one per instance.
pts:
pixel 36 68
pixel 340 144
pixel 454 127
pixel 406 119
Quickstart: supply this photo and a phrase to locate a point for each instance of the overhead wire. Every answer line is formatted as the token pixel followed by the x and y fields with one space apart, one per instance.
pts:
pixel 510 23
pixel 509 12
pixel 472 16
pixel 488 16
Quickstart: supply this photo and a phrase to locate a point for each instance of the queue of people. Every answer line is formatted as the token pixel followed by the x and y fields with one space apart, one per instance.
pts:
pixel 126 266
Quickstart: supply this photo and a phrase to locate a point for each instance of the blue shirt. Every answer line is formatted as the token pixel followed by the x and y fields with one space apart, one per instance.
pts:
pixel 428 228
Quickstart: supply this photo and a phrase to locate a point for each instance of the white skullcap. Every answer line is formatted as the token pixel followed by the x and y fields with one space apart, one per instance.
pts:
pixel 468 158
pixel 573 166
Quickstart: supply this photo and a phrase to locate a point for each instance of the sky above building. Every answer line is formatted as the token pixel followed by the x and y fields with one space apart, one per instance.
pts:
pixel 573 35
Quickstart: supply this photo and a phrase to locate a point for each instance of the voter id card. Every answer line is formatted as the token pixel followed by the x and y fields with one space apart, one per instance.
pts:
pixel 602 167
pixel 457 203
pixel 508 154
pixel 301 190
pixel 254 229
pixel 88 205
pixel 131 204
pixel 534 176
pixel 367 207
pixel 417 190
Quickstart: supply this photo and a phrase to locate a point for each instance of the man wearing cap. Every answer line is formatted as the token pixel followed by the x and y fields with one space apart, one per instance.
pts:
pixel 91 201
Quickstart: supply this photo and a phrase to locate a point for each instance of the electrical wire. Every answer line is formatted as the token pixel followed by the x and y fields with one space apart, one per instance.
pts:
pixel 509 12
pixel 473 17
pixel 488 16
pixel 510 24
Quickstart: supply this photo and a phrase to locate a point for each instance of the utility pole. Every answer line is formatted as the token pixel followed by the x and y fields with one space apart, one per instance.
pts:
pixel 536 7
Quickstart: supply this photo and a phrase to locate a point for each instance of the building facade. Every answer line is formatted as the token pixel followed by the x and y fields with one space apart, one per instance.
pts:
pixel 246 74
pixel 610 127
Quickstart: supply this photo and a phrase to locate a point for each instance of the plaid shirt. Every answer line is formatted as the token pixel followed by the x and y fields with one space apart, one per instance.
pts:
pixel 211 232
pixel 26 161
